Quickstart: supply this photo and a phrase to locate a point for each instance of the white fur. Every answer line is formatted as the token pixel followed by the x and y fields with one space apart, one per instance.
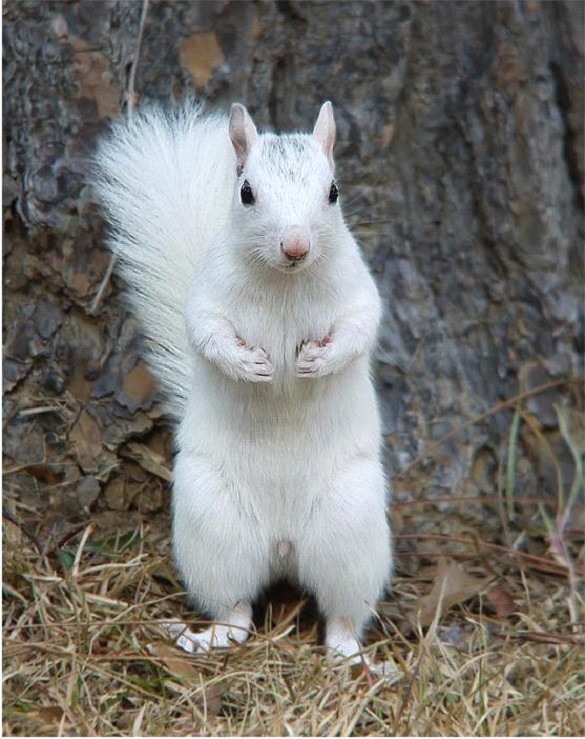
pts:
pixel 278 467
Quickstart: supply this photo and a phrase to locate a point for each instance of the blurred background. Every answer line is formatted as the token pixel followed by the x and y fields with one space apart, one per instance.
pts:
pixel 460 162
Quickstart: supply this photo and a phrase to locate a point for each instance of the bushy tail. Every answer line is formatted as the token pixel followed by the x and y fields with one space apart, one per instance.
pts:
pixel 165 182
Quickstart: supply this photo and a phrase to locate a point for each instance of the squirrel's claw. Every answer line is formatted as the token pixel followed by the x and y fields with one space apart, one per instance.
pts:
pixel 254 365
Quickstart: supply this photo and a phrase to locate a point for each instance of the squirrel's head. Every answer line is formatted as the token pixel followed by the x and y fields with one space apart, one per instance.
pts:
pixel 286 199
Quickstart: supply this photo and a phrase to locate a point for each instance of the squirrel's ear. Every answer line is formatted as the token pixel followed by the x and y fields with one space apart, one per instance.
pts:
pixel 324 130
pixel 243 133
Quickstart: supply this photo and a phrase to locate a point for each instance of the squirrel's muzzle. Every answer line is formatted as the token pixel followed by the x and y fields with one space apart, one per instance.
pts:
pixel 295 247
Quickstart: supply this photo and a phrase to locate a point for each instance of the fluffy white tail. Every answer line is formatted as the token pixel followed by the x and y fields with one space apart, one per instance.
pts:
pixel 166 182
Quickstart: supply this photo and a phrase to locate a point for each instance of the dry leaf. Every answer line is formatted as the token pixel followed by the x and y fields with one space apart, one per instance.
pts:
pixel 183 668
pixel 47 719
pixel 501 601
pixel 46 474
pixel 174 662
pixel 452 585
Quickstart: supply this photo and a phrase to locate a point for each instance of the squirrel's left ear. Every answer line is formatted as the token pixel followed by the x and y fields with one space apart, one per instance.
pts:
pixel 243 133
pixel 324 130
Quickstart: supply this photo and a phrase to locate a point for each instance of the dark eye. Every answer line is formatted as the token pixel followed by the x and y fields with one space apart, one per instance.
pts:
pixel 333 193
pixel 246 194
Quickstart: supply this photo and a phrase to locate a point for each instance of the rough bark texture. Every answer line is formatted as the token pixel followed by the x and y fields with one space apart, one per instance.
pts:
pixel 460 155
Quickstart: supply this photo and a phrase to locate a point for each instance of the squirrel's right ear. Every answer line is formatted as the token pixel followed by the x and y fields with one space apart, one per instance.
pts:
pixel 243 133
pixel 324 130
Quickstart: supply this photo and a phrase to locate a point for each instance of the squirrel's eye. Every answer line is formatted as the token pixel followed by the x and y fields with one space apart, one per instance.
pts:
pixel 333 193
pixel 246 194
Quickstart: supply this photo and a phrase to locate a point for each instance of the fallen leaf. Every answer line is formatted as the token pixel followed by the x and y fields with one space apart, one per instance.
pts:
pixel 48 719
pixel 46 473
pixel 212 699
pixel 173 662
pixel 502 602
pixel 452 585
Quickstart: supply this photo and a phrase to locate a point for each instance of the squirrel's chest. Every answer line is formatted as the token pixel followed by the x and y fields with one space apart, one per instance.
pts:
pixel 281 328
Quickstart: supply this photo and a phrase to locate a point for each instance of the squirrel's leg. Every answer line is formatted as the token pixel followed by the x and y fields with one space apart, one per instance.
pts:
pixel 215 339
pixel 218 550
pixel 352 335
pixel 345 557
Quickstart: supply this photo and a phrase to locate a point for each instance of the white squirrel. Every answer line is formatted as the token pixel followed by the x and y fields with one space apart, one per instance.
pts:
pixel 260 316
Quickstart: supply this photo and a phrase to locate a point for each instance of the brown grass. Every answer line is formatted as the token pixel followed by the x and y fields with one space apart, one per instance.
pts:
pixel 84 653
pixel 485 632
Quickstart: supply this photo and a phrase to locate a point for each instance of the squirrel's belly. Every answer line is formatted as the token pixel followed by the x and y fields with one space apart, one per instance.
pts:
pixel 274 454
pixel 289 409
pixel 282 449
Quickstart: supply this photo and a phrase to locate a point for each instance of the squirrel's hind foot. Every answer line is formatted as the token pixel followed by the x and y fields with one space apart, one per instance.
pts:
pixel 236 627
pixel 342 640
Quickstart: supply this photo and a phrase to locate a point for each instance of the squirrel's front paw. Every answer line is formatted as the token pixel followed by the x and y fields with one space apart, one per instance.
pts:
pixel 313 359
pixel 253 364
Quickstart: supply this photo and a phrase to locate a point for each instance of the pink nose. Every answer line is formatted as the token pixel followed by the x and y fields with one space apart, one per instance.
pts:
pixel 295 248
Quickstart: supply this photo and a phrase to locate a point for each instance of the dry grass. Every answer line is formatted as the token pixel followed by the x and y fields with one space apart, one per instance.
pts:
pixel 486 633
pixel 84 653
